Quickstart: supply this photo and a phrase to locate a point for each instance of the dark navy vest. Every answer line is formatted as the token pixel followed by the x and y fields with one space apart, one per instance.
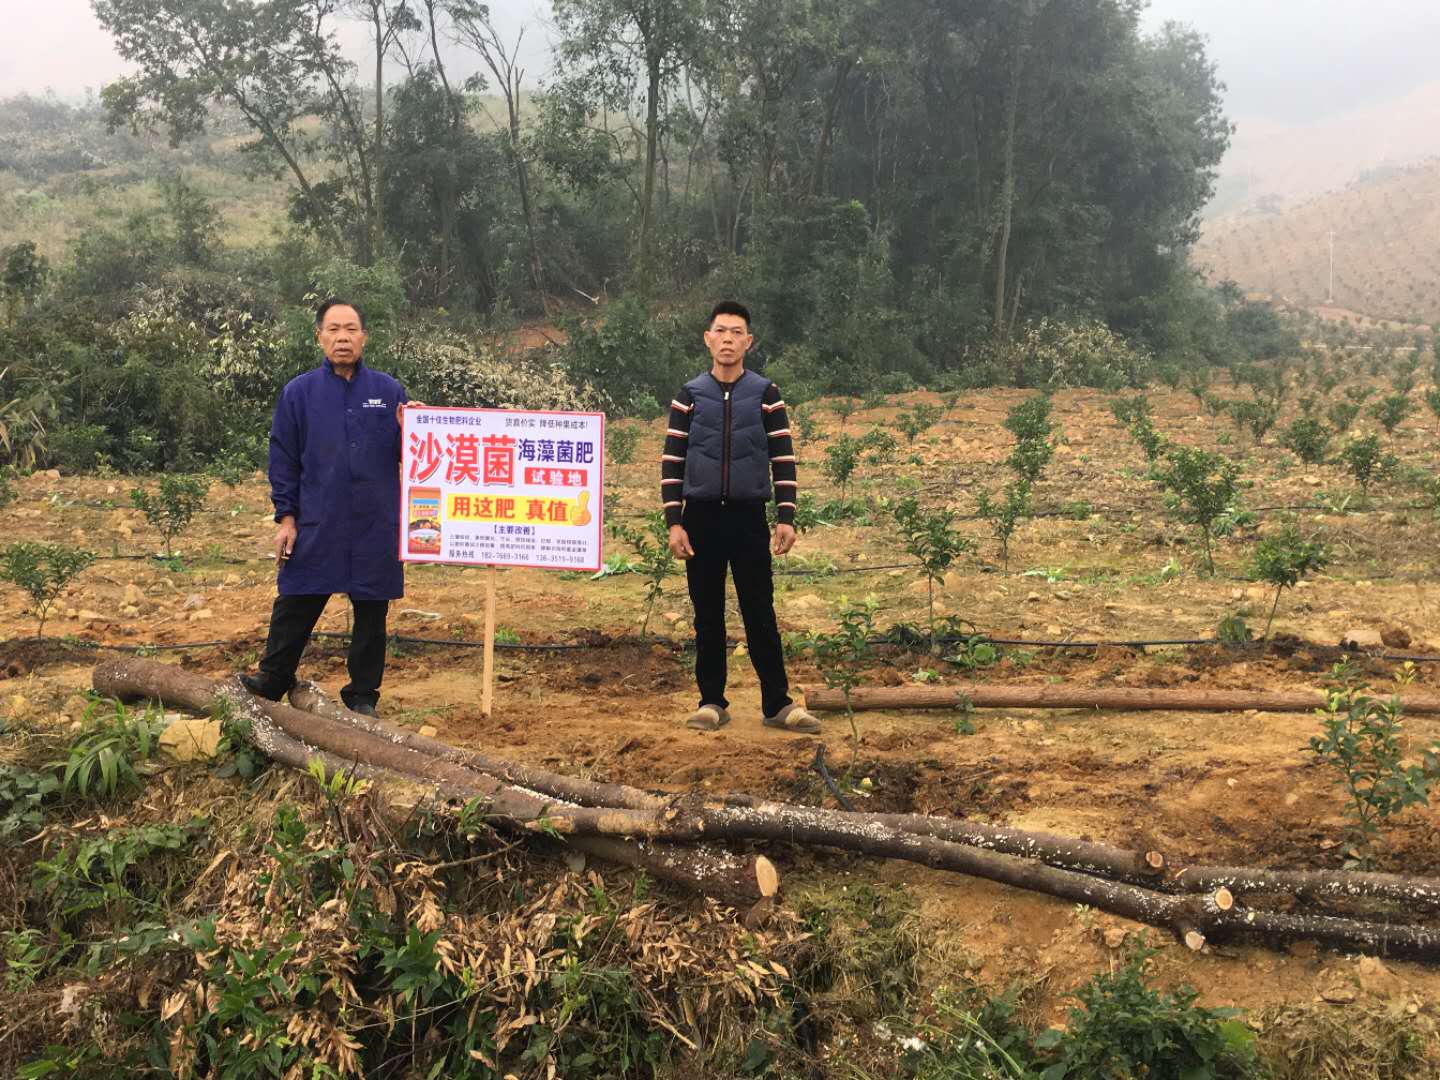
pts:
pixel 731 461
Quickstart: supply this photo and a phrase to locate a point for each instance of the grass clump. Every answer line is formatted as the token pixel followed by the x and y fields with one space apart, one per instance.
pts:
pixel 867 948
pixel 1357 1043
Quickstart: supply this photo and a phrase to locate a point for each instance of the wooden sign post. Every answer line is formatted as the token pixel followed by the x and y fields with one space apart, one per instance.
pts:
pixel 487 693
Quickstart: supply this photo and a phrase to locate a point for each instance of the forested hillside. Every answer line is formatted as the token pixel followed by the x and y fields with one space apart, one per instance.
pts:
pixel 924 196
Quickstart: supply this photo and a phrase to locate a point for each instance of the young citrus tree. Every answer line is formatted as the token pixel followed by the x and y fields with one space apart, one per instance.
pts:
pixel 1200 489
pixel 930 538
pixel 1283 560
pixel 174 506
pixel 43 571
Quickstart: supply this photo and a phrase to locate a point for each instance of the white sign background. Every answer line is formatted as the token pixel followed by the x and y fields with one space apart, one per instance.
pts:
pixel 501 487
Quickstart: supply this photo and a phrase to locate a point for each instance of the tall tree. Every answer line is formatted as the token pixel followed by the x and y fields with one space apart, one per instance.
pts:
pixel 473 28
pixel 618 54
pixel 279 63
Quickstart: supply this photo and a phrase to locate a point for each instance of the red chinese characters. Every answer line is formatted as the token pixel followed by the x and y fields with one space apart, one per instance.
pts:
pixel 464 454
pixel 499 459
pixel 424 456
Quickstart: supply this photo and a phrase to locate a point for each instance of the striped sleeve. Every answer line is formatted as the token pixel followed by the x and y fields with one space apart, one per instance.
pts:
pixel 782 455
pixel 672 458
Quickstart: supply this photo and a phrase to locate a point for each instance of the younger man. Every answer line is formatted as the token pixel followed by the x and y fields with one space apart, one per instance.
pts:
pixel 728 433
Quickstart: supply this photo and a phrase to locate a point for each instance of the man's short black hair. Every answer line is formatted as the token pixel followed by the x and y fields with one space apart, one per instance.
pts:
pixel 729 307
pixel 335 301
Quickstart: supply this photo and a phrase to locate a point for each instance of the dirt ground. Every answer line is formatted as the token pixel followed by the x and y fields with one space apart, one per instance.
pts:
pixel 1201 787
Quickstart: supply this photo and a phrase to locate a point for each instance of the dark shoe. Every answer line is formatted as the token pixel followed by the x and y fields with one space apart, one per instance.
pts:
pixel 364 708
pixel 260 688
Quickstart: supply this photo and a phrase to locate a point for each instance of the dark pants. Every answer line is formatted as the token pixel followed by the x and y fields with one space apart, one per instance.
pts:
pixel 734 536
pixel 291 622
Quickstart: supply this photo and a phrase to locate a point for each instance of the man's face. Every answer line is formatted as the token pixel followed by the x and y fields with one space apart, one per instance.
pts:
pixel 341 336
pixel 728 340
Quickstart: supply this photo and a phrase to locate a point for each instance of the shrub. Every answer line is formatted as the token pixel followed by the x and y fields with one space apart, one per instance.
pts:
pixel 651 543
pixel 441 367
pixel 842 457
pixel 930 538
pixel 637 357
pixel 880 445
pixel 1366 462
pixel 1057 354
pixel 1284 559
pixel 1005 514
pixel 621 443
pixel 1390 411
pixel 921 418
pixel 1342 414
pixel 1125 1028
pixel 1257 416
pixel 844 654
pixel 1307 438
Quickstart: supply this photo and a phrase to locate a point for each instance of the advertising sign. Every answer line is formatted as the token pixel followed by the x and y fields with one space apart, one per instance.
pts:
pixel 501 487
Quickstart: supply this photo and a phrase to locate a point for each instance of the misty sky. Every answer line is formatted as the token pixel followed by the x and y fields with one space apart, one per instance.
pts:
pixel 1288 61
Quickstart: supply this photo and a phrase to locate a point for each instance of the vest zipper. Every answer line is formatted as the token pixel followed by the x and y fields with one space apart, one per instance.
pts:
pixel 725 454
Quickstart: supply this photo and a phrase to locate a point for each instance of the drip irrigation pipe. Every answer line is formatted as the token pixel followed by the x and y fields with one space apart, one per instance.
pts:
pixel 461 643
pixel 569 646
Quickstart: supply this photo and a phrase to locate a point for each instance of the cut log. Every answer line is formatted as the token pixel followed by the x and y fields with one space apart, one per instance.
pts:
pixel 1120 698
pixel 294 737
pixel 1306 885
pixel 697 819
pixel 309 697
pixel 1103 860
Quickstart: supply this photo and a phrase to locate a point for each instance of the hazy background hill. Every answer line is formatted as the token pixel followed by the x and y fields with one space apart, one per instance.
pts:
pixel 1387 245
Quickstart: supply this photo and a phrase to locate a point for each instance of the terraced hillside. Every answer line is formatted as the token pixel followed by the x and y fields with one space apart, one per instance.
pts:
pixel 1387 246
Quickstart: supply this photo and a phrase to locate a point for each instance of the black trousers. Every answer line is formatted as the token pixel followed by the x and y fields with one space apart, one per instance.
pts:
pixel 734 536
pixel 293 619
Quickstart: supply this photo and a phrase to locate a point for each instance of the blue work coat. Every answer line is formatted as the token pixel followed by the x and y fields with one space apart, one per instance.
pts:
pixel 335 465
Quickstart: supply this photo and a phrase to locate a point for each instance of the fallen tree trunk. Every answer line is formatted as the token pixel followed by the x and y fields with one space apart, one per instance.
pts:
pixel 1062 851
pixel 1191 918
pixel 1103 860
pixel 279 729
pixel 1310 884
pixel 1119 698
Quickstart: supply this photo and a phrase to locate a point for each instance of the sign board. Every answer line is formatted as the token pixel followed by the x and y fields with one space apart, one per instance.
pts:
pixel 501 487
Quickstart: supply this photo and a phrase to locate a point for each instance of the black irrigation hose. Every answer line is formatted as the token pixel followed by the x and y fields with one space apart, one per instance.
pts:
pixel 461 643
pixel 224 561
pixel 567 646
pixel 827 570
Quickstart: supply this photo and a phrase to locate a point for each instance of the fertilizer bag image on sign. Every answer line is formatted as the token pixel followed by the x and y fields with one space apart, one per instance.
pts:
pixel 502 487
pixel 423 529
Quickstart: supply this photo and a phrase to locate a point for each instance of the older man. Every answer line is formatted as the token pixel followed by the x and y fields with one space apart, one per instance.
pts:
pixel 335 483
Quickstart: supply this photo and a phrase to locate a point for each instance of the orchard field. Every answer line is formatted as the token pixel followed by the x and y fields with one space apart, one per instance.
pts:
pixel 1101 552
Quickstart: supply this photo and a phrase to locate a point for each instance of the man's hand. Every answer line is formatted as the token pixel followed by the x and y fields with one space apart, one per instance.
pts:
pixel 680 543
pixel 400 410
pixel 285 539
pixel 784 539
